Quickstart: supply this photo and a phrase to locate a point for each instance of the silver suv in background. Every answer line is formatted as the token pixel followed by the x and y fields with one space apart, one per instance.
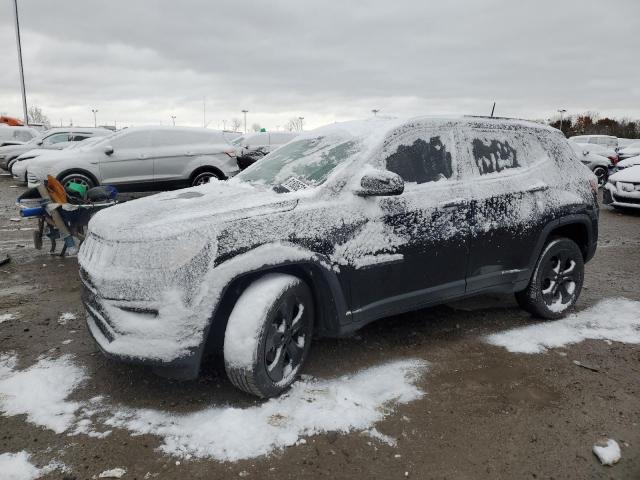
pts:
pixel 254 146
pixel 52 139
pixel 142 158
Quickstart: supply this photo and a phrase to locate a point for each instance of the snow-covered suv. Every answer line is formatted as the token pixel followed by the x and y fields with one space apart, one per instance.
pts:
pixel 344 225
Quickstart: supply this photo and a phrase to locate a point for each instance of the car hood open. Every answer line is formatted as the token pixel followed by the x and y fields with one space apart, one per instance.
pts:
pixel 201 209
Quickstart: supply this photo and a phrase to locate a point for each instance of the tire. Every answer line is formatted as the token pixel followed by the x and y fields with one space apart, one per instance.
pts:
pixel 268 334
pixel 204 177
pixel 602 175
pixel 556 282
pixel 77 178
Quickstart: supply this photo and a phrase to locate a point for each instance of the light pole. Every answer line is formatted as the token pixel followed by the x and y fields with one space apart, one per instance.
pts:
pixel 173 119
pixel 301 123
pixel 224 125
pixel 375 111
pixel 19 45
pixel 562 112
pixel 95 121
pixel 245 120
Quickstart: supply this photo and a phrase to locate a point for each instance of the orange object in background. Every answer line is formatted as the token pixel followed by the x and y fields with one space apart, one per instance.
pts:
pixel 12 122
pixel 56 190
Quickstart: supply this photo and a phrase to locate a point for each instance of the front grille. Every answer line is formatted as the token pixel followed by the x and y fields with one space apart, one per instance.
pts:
pixel 619 199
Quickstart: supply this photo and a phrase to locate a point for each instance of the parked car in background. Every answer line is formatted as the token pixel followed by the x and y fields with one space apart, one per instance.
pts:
pixel 16 135
pixel 19 167
pixel 608 141
pixel 623 189
pixel 629 162
pixel 254 146
pixel 629 151
pixel 143 158
pixel 53 139
pixel 598 164
pixel 609 152
pixel 342 226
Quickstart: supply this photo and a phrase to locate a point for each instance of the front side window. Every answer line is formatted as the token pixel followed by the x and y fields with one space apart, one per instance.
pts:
pixel 56 138
pixel 421 156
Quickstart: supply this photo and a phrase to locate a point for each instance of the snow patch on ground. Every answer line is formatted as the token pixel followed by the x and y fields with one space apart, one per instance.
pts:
pixel 344 404
pixel 615 319
pixel 608 454
pixel 18 466
pixel 65 317
pixel 5 317
pixel 113 473
pixel 41 391
pixel 376 434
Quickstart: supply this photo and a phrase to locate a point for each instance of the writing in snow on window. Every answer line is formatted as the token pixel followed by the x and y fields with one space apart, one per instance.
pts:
pixel 421 161
pixel 494 156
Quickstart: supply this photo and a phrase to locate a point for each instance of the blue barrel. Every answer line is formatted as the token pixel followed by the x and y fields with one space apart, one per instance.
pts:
pixel 32 212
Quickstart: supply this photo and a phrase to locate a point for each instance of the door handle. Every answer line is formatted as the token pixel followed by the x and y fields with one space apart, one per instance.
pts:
pixel 190 154
pixel 539 187
pixel 456 202
pixel 142 156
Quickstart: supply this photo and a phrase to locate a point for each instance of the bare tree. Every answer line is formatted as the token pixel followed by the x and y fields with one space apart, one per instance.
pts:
pixel 294 125
pixel 255 127
pixel 236 123
pixel 36 116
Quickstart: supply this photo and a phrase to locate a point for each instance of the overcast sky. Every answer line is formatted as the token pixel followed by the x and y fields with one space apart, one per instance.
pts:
pixel 139 62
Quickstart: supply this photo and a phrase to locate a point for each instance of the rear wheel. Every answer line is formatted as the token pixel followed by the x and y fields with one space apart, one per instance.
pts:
pixel 556 282
pixel 268 334
pixel 204 177
pixel 602 174
pixel 77 178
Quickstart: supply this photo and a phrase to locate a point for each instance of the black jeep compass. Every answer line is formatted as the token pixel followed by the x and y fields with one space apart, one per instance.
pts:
pixel 344 225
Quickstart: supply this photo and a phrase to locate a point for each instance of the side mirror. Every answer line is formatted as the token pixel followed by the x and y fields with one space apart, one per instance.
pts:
pixel 585 152
pixel 379 183
pixel 108 150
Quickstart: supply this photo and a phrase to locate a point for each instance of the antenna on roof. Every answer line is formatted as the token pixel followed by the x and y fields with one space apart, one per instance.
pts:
pixel 493 109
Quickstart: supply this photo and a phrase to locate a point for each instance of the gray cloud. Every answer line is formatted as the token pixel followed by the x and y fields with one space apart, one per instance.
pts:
pixel 139 62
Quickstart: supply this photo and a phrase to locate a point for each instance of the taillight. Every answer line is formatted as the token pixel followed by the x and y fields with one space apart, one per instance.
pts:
pixel 614 159
pixel 594 184
pixel 231 153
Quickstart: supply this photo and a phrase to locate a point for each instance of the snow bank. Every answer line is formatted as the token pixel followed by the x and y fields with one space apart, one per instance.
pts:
pixel 16 466
pixel 40 392
pixel 609 454
pixel 615 319
pixel 344 404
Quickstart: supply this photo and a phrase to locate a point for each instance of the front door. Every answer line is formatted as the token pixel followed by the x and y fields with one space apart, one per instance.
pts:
pixel 424 232
pixel 130 166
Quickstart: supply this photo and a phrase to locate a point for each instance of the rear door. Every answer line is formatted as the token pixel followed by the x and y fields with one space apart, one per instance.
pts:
pixel 423 256
pixel 130 166
pixel 507 203
pixel 171 151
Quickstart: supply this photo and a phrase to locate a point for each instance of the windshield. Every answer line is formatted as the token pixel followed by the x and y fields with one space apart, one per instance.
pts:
pixel 301 163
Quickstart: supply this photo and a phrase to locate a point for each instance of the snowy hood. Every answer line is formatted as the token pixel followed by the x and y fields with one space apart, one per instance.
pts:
pixel 631 174
pixel 629 162
pixel 198 209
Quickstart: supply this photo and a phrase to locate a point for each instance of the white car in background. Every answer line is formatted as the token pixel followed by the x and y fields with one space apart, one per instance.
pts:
pixel 606 151
pixel 142 158
pixel 608 141
pixel 19 167
pixel 253 146
pixel 598 164
pixel 623 189
pixel 16 135
pixel 629 151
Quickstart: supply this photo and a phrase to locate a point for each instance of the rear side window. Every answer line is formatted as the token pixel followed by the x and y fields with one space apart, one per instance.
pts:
pixel 421 157
pixel 494 153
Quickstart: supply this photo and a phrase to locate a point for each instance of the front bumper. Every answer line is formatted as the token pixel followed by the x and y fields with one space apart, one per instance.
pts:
pixel 611 196
pixel 165 354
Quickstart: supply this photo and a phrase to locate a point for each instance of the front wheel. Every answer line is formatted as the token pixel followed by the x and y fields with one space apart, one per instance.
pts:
pixel 556 282
pixel 268 334
pixel 602 174
pixel 77 178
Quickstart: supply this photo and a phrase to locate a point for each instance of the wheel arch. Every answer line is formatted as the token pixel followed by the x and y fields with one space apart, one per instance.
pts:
pixel 207 168
pixel 80 171
pixel 330 304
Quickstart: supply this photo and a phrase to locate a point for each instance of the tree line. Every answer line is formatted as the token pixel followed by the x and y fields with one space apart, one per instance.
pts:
pixel 592 124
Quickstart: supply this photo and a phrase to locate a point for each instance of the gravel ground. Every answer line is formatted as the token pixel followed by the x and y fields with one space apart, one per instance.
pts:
pixel 487 413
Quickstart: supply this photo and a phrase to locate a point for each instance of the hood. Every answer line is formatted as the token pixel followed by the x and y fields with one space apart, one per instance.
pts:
pixel 13 149
pixel 631 175
pixel 629 162
pixel 172 214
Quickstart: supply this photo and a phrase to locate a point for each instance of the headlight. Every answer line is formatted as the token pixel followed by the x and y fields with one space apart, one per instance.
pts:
pixel 626 187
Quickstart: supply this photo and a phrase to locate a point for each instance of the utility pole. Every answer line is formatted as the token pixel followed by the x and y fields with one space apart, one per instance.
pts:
pixel 562 112
pixel 95 121
pixel 301 123
pixel 375 111
pixel 173 118
pixel 245 120
pixel 224 125
pixel 20 67
pixel 204 112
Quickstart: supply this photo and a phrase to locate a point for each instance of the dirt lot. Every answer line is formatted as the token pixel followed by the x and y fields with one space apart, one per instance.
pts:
pixel 487 413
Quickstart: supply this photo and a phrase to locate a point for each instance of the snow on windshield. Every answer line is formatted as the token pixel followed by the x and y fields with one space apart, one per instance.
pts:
pixel 308 160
